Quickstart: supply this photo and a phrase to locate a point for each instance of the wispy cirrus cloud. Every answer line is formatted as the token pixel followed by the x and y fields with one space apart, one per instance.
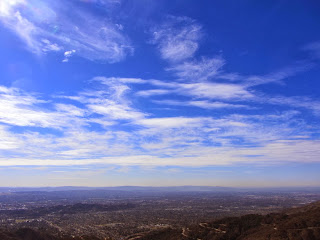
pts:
pixel 110 104
pixel 19 109
pixel 296 102
pixel 205 104
pixel 8 140
pixel 198 70
pixel 26 109
pixel 211 95
pixel 211 90
pixel 202 90
pixel 153 92
pixel 92 128
pixel 215 95
pixel 172 122
pixel 278 76
pixel 211 69
pixel 178 38
pixel 46 27
pixel 151 141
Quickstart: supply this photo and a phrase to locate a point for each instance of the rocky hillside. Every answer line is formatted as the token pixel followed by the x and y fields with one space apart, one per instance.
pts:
pixel 293 224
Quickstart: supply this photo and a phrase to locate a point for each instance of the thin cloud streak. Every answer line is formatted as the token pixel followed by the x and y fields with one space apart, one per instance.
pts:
pixel 47 27
pixel 202 104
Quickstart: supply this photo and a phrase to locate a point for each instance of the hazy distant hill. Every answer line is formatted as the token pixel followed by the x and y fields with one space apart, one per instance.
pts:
pixel 293 224
pixel 121 188
pixel 160 189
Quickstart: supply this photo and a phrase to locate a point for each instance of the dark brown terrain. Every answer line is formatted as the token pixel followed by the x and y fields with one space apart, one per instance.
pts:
pixel 30 234
pixel 301 223
pixel 294 224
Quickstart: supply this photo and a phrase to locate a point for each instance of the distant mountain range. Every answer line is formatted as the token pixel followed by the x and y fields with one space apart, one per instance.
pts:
pixel 162 189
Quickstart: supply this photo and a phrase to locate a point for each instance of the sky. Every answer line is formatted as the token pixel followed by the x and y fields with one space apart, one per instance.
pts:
pixel 159 93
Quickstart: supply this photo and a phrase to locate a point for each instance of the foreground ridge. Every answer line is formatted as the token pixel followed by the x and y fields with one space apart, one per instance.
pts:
pixel 293 224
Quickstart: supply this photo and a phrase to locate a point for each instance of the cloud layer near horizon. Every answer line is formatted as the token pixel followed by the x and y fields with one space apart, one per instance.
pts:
pixel 126 135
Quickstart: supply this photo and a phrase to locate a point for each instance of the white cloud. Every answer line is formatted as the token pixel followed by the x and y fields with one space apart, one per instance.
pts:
pixel 23 109
pixel 201 104
pixel 111 102
pixel 46 27
pixel 67 55
pixel 153 92
pixel 151 141
pixel 201 90
pixel 215 90
pixel 114 110
pixel 50 47
pixel 70 109
pixel 278 76
pixel 19 109
pixel 173 122
pixel 7 5
pixel 285 151
pixel 182 140
pixel 205 94
pixel 294 102
pixel 113 80
pixel 177 38
pixel 7 140
pixel 107 125
pixel 201 70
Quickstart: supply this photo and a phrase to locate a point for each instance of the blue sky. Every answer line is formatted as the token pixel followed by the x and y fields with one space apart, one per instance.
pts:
pixel 124 92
